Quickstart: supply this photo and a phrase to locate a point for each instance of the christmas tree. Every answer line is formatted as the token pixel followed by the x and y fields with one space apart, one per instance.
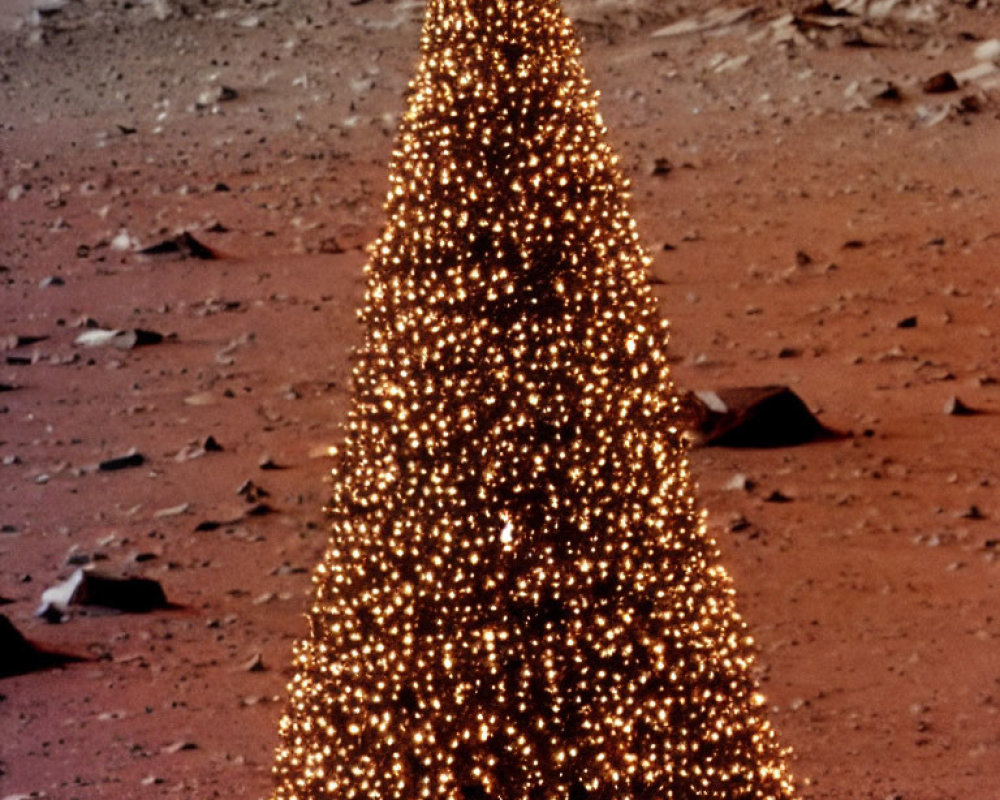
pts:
pixel 519 600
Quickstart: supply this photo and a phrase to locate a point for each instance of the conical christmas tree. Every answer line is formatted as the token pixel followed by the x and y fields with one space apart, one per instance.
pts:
pixel 519 600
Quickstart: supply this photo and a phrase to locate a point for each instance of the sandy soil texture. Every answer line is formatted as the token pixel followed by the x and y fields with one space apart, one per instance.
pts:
pixel 821 204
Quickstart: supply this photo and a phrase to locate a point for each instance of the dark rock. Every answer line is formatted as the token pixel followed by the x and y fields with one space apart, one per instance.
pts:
pixel 890 94
pixel 210 445
pixel 166 247
pixel 51 614
pixel 7 387
pixel 254 664
pixel 907 322
pixel 739 524
pixel 260 510
pixel 91 588
pixel 662 167
pixel 956 408
pixel 184 245
pixel 970 104
pixel 777 497
pixel 18 655
pixel 122 462
pixel 942 83
pixel 81 558
pixel 753 416
pixel 49 8
pixel 138 337
pixel 212 525
pixel 14 341
pixel 52 280
pixel 252 492
pixel 826 9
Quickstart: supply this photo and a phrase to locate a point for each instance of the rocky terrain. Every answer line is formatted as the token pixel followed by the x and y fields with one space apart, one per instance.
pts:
pixel 817 184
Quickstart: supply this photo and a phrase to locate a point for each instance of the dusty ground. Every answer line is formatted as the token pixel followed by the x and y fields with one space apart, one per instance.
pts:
pixel 804 219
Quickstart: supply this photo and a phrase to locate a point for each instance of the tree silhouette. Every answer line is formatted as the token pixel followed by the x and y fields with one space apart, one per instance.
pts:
pixel 519 600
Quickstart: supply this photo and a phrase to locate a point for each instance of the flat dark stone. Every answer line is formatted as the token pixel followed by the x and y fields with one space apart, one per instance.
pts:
pixel 184 245
pixel 260 510
pixel 19 340
pixel 139 338
pixel 122 462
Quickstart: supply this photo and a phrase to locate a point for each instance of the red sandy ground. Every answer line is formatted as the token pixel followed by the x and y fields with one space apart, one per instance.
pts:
pixel 806 215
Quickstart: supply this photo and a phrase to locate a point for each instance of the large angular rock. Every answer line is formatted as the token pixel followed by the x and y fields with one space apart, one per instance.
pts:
pixel 753 416
pixel 17 654
pixel 92 588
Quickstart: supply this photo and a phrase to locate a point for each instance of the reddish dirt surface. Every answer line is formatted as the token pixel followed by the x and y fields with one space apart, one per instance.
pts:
pixel 806 218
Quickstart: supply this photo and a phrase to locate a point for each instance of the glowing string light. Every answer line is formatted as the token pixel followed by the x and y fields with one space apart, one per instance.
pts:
pixel 519 600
